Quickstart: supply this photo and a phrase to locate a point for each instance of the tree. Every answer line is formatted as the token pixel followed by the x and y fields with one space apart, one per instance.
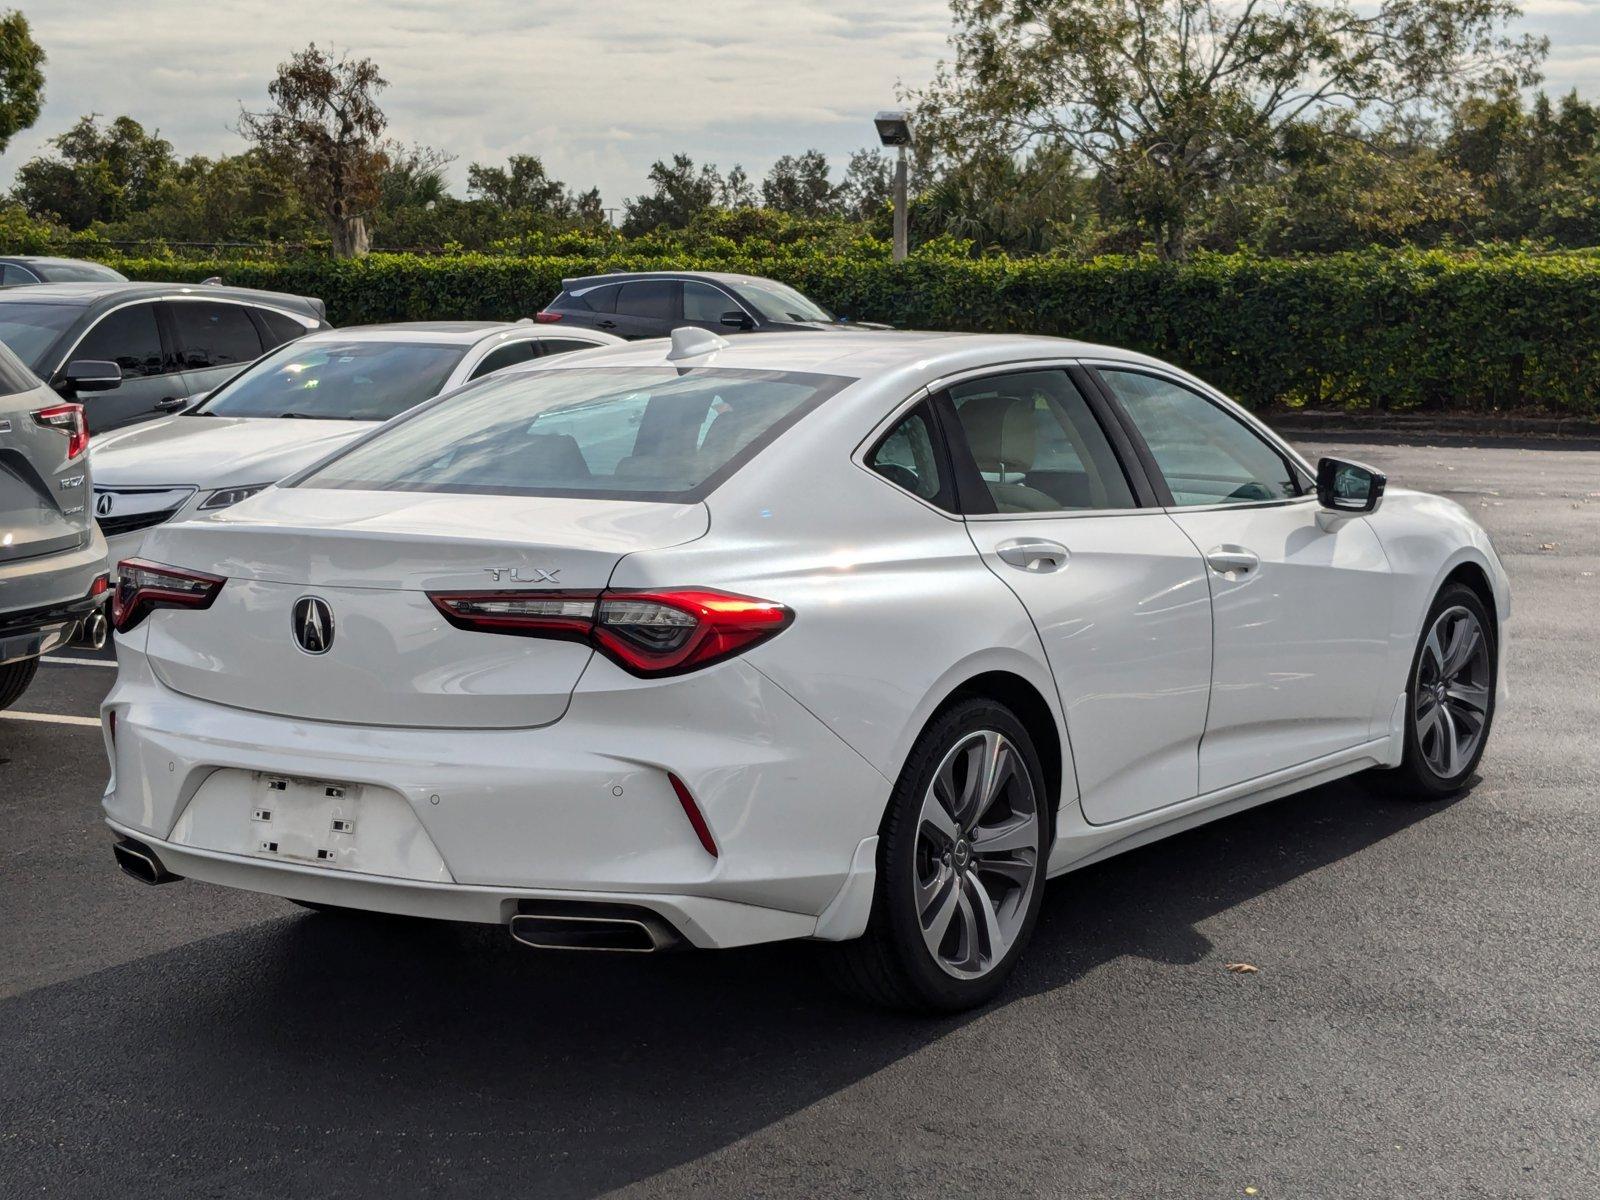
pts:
pixel 326 129
pixel 522 184
pixel 1175 102
pixel 680 194
pixel 868 185
pixel 96 174
pixel 21 77
pixel 799 185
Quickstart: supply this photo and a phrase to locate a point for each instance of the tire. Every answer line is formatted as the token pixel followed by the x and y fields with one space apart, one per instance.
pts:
pixel 1447 704
pixel 14 680
pixel 932 871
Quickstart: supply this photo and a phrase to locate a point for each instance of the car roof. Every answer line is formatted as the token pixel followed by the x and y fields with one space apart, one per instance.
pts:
pixel 861 353
pixel 464 333
pixel 723 277
pixel 96 291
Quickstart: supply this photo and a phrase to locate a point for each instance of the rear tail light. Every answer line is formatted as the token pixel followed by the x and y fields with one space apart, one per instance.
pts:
pixel 67 420
pixel 647 633
pixel 143 587
pixel 547 317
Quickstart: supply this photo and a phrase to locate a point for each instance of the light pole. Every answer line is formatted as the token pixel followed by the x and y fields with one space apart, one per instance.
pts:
pixel 894 129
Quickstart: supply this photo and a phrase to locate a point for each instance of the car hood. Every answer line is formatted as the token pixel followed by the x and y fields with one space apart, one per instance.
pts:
pixel 215 451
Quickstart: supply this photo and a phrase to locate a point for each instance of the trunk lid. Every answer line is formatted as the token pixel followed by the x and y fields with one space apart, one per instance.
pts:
pixel 371 558
pixel 43 505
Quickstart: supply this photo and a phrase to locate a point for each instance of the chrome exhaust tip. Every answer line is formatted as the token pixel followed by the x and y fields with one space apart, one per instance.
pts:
pixel 141 862
pixel 616 928
pixel 94 630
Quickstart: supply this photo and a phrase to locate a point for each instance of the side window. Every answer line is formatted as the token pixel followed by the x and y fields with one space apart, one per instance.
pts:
pixel 214 335
pixel 10 273
pixel 565 345
pixel 702 302
pixel 128 337
pixel 651 299
pixel 1206 455
pixel 1037 444
pixel 595 299
pixel 911 457
pixel 501 357
pixel 280 329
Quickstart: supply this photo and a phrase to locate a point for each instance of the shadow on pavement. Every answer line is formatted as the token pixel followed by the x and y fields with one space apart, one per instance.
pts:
pixel 327 1055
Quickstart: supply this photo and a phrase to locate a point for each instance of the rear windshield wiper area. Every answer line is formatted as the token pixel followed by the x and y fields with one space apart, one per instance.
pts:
pixel 297 416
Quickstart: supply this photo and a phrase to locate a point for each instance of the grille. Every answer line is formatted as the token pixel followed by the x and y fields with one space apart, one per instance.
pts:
pixel 133 522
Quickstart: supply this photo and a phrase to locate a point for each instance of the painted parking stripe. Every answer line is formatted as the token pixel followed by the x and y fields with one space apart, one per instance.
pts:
pixel 79 662
pixel 50 718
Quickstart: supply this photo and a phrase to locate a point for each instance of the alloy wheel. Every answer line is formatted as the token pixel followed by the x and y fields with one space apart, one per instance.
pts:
pixel 977 854
pixel 1451 692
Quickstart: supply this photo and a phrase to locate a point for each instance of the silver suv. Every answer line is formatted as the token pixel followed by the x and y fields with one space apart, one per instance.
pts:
pixel 53 571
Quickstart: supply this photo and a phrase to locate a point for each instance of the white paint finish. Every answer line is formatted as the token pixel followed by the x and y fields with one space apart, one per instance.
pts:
pixel 1300 639
pixel 1126 627
pixel 791 749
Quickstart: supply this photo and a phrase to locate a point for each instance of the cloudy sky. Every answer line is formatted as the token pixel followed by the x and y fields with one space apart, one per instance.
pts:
pixel 599 90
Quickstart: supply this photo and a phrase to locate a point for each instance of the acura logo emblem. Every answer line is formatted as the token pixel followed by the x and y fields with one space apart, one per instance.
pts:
pixel 313 625
pixel 102 504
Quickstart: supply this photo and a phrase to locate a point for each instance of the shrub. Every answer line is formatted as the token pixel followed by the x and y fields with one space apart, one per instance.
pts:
pixel 1376 329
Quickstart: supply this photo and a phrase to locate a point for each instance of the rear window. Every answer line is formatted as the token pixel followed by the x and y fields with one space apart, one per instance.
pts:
pixel 337 381
pixel 599 432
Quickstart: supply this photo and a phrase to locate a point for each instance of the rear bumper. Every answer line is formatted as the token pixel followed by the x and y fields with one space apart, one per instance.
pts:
pixel 46 599
pixel 463 824
pixel 703 921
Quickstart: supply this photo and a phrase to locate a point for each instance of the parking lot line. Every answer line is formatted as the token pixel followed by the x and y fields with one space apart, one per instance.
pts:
pixel 49 718
pixel 79 662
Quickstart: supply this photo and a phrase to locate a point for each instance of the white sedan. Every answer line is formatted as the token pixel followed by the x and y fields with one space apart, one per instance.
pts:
pixel 856 638
pixel 290 408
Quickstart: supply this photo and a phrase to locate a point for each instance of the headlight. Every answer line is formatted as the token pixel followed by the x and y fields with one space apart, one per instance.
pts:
pixel 228 497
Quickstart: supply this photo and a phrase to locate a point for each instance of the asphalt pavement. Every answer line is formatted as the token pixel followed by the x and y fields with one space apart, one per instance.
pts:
pixel 1424 1020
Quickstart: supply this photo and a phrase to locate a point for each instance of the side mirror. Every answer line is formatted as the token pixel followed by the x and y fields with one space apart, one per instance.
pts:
pixel 737 320
pixel 1347 487
pixel 92 375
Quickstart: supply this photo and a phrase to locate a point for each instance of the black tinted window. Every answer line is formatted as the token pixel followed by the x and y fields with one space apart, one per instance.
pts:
pixel 652 299
pixel 501 357
pixel 595 299
pixel 10 273
pixel 214 335
pixel 564 345
pixel 337 381
pixel 911 456
pixel 280 329
pixel 128 337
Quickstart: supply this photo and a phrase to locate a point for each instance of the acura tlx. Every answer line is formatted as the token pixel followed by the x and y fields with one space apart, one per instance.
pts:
pixel 854 638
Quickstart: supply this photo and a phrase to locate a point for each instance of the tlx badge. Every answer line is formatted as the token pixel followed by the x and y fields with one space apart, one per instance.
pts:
pixel 516 574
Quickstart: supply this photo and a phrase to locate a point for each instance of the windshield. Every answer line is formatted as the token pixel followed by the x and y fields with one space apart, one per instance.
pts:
pixel 336 381
pixel 28 330
pixel 779 302
pixel 601 432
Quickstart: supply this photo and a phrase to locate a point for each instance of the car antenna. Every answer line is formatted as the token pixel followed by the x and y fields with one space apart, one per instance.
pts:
pixel 689 342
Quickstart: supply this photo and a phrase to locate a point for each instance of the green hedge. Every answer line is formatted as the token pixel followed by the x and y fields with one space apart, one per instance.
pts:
pixel 1380 330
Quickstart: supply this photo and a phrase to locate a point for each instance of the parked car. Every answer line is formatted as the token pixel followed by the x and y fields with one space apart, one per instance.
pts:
pixel 339 384
pixel 53 577
pixel 132 351
pixel 722 641
pixel 648 304
pixel 30 268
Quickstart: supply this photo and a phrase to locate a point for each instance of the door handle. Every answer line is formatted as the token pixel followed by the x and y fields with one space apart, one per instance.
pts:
pixel 606 324
pixel 171 403
pixel 1232 560
pixel 1033 554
